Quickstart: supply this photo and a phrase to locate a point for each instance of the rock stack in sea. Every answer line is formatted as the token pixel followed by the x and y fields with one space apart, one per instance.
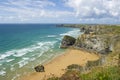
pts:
pixel 67 41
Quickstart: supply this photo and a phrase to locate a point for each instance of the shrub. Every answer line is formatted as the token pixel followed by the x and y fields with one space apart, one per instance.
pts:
pixel 109 73
pixel 53 78
pixel 75 67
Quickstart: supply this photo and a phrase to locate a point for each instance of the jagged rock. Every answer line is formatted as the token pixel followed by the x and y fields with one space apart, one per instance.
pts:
pixel 82 29
pixel 67 41
pixel 39 68
pixel 105 51
pixel 99 44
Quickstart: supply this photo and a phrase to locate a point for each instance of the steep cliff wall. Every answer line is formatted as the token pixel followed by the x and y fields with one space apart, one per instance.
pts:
pixel 99 38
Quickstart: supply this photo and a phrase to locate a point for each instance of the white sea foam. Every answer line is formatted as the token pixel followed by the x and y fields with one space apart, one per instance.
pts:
pixel 25 58
pixel 14 78
pixel 26 54
pixel 47 43
pixel 74 33
pixel 32 59
pixel 23 62
pixel 9 53
pixel 2 73
pixel 51 36
pixel 22 52
pixel 59 38
pixel 41 46
pixel 12 68
pixel 9 60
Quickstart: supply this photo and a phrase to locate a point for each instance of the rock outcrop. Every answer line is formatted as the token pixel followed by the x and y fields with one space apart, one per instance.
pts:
pixel 67 41
pixel 98 43
pixel 98 62
pixel 94 43
pixel 39 68
pixel 97 38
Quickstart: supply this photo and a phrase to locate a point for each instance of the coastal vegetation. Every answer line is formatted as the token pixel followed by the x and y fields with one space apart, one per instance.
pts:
pixel 99 73
pixel 103 40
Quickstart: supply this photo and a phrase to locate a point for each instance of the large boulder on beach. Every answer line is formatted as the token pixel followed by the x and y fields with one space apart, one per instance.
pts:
pixel 67 41
pixel 39 68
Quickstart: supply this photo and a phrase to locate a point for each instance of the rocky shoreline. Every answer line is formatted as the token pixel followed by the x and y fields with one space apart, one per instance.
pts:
pixel 97 38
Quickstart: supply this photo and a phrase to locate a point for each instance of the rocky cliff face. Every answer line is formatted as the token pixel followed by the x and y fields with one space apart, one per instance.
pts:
pixel 97 38
pixel 94 43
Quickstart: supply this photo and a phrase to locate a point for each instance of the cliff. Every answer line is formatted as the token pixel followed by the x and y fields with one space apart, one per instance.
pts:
pixel 99 38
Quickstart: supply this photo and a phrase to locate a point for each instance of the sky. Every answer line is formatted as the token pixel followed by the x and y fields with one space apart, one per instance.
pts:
pixel 60 11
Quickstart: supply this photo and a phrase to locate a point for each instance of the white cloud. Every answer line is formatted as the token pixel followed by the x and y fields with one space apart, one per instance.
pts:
pixel 41 10
pixel 25 10
pixel 29 3
pixel 95 8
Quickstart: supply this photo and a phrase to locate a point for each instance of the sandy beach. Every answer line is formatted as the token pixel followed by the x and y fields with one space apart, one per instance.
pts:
pixel 58 65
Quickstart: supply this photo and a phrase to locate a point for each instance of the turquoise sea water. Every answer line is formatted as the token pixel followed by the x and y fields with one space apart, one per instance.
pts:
pixel 23 46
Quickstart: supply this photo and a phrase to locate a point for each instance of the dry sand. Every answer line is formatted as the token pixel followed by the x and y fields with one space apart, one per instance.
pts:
pixel 58 65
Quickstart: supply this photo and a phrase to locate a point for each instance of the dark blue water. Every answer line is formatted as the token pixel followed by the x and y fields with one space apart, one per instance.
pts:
pixel 22 44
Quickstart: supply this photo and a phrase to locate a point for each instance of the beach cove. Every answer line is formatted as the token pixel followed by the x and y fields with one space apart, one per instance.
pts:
pixel 24 46
pixel 57 66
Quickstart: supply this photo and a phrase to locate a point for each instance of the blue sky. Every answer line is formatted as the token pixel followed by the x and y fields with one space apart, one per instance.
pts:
pixel 60 11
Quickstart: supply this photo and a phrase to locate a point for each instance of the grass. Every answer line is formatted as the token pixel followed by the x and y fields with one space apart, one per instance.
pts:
pixel 53 78
pixel 99 73
pixel 108 73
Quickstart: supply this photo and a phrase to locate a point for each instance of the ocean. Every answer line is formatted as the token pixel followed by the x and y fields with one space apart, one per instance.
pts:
pixel 24 46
